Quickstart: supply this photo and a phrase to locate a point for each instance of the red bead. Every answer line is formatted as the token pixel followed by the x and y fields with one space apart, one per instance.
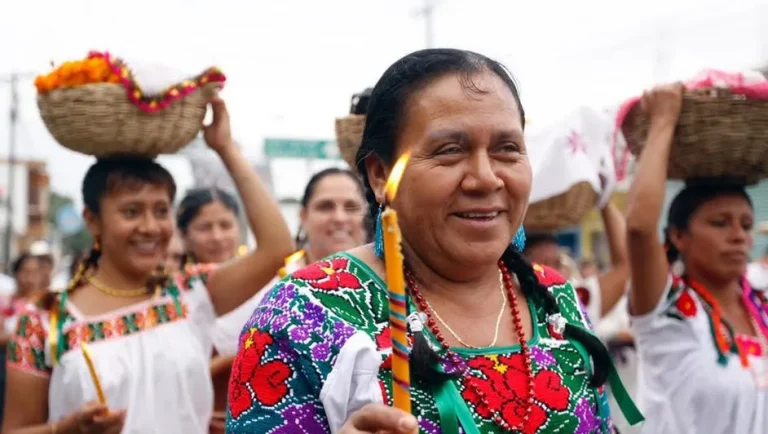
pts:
pixel 431 322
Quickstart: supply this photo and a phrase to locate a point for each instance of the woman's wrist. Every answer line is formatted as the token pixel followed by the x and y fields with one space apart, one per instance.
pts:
pixel 68 425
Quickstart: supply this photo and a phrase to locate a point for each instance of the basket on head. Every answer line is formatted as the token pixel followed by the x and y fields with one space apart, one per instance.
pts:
pixel 98 119
pixel 349 134
pixel 349 129
pixel 718 134
pixel 562 211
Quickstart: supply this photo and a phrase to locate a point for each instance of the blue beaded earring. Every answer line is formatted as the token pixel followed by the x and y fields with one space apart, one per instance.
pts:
pixel 378 237
pixel 519 240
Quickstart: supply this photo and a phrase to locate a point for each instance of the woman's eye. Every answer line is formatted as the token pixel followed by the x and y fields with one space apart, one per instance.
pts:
pixel 451 149
pixel 509 147
pixel 130 212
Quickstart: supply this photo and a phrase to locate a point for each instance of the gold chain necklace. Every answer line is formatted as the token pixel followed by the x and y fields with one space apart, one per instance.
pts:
pixel 498 319
pixel 115 292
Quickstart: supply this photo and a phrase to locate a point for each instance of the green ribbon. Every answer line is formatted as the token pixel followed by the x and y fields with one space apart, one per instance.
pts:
pixel 625 402
pixel 452 408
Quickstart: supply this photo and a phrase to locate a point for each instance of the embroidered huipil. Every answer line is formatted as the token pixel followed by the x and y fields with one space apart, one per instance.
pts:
pixel 318 348
pixel 686 386
pixel 152 358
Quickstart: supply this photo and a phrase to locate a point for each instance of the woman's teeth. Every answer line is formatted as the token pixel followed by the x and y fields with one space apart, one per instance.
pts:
pixel 478 215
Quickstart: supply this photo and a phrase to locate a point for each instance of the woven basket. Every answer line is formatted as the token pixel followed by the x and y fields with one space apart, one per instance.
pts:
pixel 349 135
pixel 99 120
pixel 561 211
pixel 719 135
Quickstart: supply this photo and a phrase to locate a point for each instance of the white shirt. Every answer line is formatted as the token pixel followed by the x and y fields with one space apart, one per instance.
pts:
pixel 150 361
pixel 682 388
pixel 226 334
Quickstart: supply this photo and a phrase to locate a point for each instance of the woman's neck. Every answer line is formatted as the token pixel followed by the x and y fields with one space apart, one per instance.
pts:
pixel 726 292
pixel 111 276
pixel 470 291
pixel 313 255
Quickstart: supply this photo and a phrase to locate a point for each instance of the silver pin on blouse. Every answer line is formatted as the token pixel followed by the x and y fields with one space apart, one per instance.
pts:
pixel 558 323
pixel 416 321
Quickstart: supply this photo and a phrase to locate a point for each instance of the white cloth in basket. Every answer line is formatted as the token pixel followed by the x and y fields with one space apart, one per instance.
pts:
pixel 576 149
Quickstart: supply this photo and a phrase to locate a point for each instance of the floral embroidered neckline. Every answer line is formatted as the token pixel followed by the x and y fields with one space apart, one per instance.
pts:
pixel 726 340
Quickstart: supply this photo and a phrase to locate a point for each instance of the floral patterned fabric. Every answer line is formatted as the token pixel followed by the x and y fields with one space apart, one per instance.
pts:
pixel 27 349
pixel 147 356
pixel 687 379
pixel 290 345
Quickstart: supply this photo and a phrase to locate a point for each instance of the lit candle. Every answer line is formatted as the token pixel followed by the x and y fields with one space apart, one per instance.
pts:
pixel 398 305
pixel 94 376
pixel 292 264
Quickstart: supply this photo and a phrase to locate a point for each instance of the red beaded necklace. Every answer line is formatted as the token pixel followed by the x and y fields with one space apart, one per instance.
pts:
pixel 421 303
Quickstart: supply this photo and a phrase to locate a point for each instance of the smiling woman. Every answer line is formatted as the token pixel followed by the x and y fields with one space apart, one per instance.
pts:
pixel 149 332
pixel 499 345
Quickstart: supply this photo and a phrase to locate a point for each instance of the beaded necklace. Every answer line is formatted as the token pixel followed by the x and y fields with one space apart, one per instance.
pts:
pixel 509 285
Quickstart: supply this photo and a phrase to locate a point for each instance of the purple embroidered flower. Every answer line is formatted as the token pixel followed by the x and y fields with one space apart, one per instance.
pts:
pixel 429 427
pixel 321 351
pixel 341 332
pixel 263 320
pixel 454 364
pixel 282 297
pixel 285 351
pixel 300 419
pixel 588 420
pixel 300 333
pixel 279 322
pixel 313 315
pixel 543 357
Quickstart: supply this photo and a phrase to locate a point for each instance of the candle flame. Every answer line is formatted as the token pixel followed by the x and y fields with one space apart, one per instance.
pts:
pixel 395 176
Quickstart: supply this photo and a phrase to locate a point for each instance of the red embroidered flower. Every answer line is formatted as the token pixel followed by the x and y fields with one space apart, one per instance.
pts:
pixel 268 381
pixel 548 276
pixel 383 339
pixel 329 275
pixel 505 387
pixel 686 305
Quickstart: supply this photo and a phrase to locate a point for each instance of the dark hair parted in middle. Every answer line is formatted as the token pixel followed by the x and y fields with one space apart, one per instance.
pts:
pixel 388 103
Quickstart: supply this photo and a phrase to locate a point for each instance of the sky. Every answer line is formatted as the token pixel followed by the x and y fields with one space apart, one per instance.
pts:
pixel 293 65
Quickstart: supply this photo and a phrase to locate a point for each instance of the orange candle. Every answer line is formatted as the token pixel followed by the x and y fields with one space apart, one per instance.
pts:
pixel 94 376
pixel 398 304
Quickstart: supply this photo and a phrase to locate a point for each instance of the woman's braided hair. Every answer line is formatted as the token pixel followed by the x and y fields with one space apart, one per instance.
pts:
pixel 384 121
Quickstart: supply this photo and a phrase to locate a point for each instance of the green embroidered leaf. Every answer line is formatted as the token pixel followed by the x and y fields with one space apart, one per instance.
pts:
pixel 379 302
pixel 569 359
pixel 563 423
pixel 342 306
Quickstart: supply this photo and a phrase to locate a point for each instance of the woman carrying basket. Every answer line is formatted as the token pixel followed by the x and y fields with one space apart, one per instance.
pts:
pixel 700 328
pixel 149 333
pixel 499 345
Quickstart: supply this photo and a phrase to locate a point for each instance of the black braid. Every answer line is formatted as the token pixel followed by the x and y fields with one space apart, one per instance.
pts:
pixel 531 287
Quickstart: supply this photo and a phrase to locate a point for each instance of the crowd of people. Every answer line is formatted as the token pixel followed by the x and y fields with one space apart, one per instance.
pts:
pixel 507 332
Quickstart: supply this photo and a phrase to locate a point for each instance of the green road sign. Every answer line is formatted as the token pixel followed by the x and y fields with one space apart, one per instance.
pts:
pixel 298 148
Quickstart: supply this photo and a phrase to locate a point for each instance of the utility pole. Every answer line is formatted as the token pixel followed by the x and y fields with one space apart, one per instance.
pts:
pixel 13 79
pixel 427 12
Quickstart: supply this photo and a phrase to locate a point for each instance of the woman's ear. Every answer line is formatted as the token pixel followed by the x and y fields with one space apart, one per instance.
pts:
pixel 377 176
pixel 677 238
pixel 93 223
